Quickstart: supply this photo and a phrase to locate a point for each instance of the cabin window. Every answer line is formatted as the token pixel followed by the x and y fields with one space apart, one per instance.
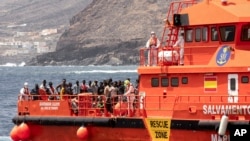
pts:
pixel 244 79
pixel 214 34
pixel 245 33
pixel 155 82
pixel 204 34
pixel 227 33
pixel 189 35
pixel 232 84
pixel 174 82
pixel 184 80
pixel 197 34
pixel 164 82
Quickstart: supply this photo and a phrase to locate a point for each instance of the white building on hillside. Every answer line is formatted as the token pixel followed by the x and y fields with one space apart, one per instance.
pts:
pixel 48 32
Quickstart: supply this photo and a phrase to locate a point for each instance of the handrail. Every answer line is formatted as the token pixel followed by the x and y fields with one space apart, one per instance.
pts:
pixel 87 105
pixel 146 55
pixel 162 60
pixel 159 103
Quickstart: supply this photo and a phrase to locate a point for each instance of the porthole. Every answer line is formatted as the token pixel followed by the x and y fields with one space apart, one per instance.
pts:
pixel 184 80
pixel 244 79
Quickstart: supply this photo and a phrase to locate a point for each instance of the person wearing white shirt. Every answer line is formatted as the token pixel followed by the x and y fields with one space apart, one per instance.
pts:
pixel 130 93
pixel 76 88
pixel 152 45
pixel 180 43
pixel 24 92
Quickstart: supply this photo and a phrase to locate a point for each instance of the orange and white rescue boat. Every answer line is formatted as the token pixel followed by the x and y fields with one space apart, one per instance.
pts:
pixel 206 99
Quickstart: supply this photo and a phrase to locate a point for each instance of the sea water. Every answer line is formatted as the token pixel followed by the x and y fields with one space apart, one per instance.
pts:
pixel 13 77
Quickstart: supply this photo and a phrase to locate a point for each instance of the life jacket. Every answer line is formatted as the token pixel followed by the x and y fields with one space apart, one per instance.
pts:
pixel 26 91
pixel 153 42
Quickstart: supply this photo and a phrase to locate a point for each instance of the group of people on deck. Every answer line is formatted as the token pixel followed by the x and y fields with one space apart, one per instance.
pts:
pixel 153 44
pixel 107 92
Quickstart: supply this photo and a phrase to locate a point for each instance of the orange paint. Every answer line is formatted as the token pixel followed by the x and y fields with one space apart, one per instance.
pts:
pixel 213 81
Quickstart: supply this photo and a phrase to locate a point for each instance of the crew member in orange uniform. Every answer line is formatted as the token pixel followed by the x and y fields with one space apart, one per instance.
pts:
pixel 152 44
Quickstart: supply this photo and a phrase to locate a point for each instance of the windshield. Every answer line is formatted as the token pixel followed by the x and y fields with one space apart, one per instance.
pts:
pixel 245 33
pixel 227 33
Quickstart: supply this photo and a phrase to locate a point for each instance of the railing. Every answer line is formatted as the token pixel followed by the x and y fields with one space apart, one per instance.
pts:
pixel 87 105
pixel 170 56
pixel 242 99
pixel 160 56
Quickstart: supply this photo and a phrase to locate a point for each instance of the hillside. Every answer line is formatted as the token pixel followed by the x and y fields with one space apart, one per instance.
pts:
pixel 31 17
pixel 107 32
pixel 38 14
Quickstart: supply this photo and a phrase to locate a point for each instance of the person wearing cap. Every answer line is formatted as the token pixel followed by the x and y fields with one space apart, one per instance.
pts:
pixel 24 92
pixel 126 83
pixel 152 45
pixel 180 43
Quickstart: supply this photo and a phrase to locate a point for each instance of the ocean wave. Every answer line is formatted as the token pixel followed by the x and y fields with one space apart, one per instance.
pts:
pixel 22 64
pixel 103 71
pixel 5 138
pixel 13 65
pixel 9 65
pixel 69 66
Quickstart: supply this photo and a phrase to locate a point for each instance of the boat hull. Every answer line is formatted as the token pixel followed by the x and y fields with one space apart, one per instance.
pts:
pixel 68 133
pixel 120 129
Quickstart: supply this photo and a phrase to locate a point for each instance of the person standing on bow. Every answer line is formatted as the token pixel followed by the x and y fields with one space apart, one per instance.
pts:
pixel 24 92
pixel 180 43
pixel 152 45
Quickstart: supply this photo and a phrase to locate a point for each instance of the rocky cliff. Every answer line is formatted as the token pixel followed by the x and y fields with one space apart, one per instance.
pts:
pixel 22 21
pixel 108 32
pixel 37 14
